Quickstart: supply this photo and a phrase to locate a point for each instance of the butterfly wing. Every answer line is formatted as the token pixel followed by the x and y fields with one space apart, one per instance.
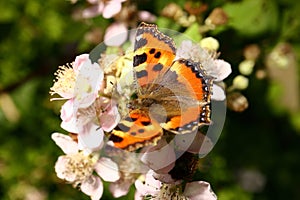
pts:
pixel 191 88
pixel 154 53
pixel 135 131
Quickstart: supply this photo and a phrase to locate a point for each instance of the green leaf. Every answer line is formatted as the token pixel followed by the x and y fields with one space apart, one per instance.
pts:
pixel 252 17
pixel 193 32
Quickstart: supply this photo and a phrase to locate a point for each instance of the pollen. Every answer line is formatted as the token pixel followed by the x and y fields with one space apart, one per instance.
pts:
pixel 78 167
pixel 64 82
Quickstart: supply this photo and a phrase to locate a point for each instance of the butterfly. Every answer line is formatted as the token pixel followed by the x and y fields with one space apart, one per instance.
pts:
pixel 170 95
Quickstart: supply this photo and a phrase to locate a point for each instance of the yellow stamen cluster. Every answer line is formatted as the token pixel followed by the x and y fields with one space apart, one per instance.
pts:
pixel 77 168
pixel 172 192
pixel 65 80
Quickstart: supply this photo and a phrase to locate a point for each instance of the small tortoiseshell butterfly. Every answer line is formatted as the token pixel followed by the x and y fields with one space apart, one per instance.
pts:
pixel 171 95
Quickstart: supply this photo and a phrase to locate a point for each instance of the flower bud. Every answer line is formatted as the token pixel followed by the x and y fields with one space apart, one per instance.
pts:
pixel 173 11
pixel 251 52
pixel 240 82
pixel 210 43
pixel 217 17
pixel 237 102
pixel 246 67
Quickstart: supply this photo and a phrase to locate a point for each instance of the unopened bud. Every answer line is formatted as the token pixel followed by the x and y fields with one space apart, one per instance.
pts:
pixel 210 43
pixel 217 17
pixel 237 102
pixel 246 67
pixel 251 52
pixel 240 82
pixel 173 11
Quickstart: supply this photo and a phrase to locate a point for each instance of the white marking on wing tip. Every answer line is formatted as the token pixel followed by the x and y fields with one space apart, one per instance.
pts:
pixel 138 37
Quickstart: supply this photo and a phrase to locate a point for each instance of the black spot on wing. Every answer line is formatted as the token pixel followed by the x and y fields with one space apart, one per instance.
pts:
pixel 157 67
pixel 141 74
pixel 152 51
pixel 157 55
pixel 140 43
pixel 139 59
pixel 115 138
pixel 146 123
pixel 122 127
pixel 141 130
pixel 133 133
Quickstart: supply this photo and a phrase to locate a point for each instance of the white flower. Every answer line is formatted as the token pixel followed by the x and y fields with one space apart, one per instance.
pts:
pixel 77 167
pixel 218 69
pixel 89 123
pixel 107 8
pixel 80 81
pixel 197 190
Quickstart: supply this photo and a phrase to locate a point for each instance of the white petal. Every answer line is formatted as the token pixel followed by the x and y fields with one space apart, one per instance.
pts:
pixel 79 61
pixel 116 34
pixel 92 11
pixel 90 137
pixel 66 143
pixel 70 126
pixel 222 69
pixel 161 158
pixel 196 143
pixel 164 178
pixel 138 196
pixel 107 169
pixel 218 93
pixel 110 119
pixel 61 166
pixel 199 190
pixel 151 186
pixel 88 82
pixel 92 187
pixel 119 189
pixel 111 8
pixel 67 110
pixel 146 16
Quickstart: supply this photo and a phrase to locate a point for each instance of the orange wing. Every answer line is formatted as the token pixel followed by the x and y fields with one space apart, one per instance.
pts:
pixel 193 90
pixel 135 131
pixel 154 53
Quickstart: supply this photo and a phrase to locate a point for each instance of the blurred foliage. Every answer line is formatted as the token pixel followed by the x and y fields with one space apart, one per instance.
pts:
pixel 37 36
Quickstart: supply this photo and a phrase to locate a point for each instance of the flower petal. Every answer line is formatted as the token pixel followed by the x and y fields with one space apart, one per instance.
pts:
pixel 67 110
pixel 222 69
pixel 66 143
pixel 61 168
pixel 199 190
pixel 88 82
pixel 196 143
pixel 218 93
pixel 107 169
pixel 151 186
pixel 119 189
pixel 146 16
pixel 92 187
pixel 161 158
pixel 110 118
pixel 79 61
pixel 115 34
pixel 112 8
pixel 92 11
pixel 90 137
pixel 70 125
pixel 164 178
